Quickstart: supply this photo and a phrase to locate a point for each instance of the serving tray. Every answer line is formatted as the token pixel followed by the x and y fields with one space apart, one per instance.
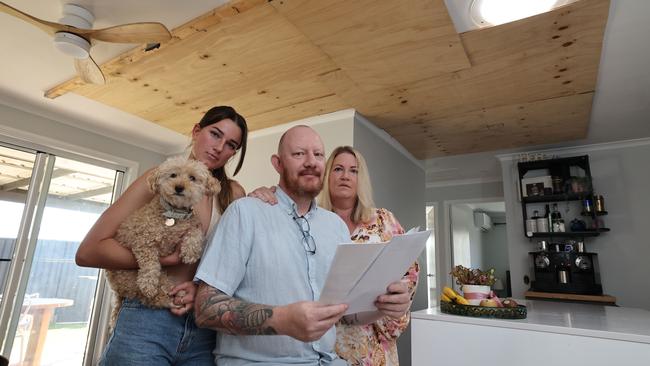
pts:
pixel 518 312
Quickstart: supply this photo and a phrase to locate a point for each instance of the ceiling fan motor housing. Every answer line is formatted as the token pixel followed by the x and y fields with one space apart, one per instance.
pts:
pixel 76 16
pixel 70 43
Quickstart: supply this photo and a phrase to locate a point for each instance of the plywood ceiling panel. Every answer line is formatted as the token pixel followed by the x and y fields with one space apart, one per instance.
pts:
pixel 558 56
pixel 381 44
pixel 508 126
pixel 399 63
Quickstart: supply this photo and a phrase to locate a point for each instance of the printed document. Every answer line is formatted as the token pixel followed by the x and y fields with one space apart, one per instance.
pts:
pixel 361 272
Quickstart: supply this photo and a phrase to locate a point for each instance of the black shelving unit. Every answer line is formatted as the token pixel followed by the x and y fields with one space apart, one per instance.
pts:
pixel 560 167
pixel 567 234
pixel 556 197
pixel 558 271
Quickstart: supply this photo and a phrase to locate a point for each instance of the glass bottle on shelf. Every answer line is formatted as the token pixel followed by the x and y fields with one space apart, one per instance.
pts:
pixel 531 224
pixel 548 217
pixel 557 220
pixel 542 223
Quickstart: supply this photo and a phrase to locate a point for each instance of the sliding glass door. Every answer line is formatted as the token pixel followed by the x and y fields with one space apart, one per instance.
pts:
pixel 16 168
pixel 48 203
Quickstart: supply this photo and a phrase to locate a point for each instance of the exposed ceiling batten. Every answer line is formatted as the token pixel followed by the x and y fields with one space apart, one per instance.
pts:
pixel 90 193
pixel 25 181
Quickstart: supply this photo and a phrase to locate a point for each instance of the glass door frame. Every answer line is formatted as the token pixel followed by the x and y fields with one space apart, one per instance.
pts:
pixel 26 240
pixel 102 304
pixel 20 266
pixel 432 273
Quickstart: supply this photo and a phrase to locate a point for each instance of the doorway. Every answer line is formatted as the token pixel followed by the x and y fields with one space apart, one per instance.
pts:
pixel 431 256
pixel 47 205
pixel 479 239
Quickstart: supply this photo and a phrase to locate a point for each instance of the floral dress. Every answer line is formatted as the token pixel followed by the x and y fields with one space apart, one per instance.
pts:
pixel 375 344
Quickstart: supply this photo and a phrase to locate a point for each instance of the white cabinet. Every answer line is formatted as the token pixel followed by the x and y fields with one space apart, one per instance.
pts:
pixel 553 334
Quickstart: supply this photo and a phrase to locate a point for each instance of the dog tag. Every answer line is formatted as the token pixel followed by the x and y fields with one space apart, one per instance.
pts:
pixel 170 222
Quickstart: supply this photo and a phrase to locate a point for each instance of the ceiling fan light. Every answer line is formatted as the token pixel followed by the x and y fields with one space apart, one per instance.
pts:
pixel 495 12
pixel 71 45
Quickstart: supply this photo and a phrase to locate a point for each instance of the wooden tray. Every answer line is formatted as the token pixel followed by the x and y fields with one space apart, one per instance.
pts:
pixel 484 312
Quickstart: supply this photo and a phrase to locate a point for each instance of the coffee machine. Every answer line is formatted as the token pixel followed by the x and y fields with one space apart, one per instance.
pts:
pixel 566 268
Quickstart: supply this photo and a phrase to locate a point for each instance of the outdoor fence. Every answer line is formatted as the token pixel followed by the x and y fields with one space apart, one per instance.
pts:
pixel 54 274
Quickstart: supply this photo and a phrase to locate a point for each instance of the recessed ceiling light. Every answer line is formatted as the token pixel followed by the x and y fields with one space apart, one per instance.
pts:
pixel 494 12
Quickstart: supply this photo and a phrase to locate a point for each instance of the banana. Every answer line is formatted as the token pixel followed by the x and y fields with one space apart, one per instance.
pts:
pixel 444 298
pixel 454 296
pixel 451 294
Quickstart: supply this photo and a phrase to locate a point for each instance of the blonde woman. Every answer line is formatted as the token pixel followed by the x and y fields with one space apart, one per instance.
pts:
pixel 365 338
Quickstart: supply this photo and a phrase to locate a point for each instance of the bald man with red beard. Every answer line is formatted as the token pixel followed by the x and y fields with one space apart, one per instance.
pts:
pixel 265 267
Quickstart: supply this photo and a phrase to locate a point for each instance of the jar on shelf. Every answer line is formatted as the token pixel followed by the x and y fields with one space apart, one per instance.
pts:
pixel 531 224
pixel 587 206
pixel 557 184
pixel 599 204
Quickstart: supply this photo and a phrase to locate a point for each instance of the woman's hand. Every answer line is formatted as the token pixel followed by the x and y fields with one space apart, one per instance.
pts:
pixel 182 298
pixel 174 258
pixel 396 301
pixel 266 194
pixel 99 248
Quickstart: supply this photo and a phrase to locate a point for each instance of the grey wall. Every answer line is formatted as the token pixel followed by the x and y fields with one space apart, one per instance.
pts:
pixel 398 184
pixel 439 194
pixel 620 173
pixel 73 140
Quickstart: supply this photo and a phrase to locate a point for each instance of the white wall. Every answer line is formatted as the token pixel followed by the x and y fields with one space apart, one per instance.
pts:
pixel 621 174
pixel 334 128
pixel 30 130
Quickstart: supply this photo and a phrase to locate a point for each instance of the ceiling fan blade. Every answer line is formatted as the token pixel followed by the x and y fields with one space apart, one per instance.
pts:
pixel 44 25
pixel 89 71
pixel 144 32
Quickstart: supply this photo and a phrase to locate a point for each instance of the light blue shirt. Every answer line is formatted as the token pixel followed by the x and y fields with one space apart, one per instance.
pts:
pixel 258 254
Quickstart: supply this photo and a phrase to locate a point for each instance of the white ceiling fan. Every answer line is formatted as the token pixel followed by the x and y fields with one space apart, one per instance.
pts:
pixel 74 36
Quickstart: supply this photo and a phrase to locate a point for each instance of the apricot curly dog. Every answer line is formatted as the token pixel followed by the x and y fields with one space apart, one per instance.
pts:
pixel 156 229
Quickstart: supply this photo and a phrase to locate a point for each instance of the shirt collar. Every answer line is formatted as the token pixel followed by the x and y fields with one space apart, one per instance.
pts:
pixel 290 206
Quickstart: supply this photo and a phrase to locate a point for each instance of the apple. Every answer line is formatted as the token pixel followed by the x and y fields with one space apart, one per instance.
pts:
pixel 510 303
pixel 490 303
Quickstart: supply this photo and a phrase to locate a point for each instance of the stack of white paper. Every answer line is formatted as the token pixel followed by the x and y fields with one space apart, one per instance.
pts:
pixel 361 272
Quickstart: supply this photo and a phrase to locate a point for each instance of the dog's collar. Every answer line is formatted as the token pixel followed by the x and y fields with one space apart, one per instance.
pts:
pixel 172 212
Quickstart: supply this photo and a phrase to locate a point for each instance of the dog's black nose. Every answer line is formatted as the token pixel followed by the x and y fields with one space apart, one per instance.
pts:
pixel 179 189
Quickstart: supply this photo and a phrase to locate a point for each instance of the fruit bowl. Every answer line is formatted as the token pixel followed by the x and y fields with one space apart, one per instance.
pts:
pixel 518 312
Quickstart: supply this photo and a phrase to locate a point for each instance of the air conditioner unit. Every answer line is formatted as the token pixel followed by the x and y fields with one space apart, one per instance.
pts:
pixel 482 221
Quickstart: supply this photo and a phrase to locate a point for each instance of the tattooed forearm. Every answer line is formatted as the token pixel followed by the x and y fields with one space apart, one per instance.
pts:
pixel 221 312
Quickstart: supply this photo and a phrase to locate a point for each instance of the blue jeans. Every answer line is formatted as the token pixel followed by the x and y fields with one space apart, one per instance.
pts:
pixel 146 336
